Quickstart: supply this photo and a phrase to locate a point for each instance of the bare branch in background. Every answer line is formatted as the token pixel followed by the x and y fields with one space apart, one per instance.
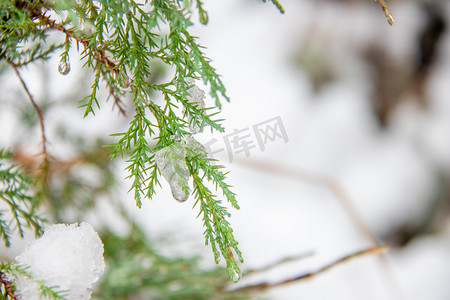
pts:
pixel 279 262
pixel 334 187
pixel 45 160
pixel 384 7
pixel 268 285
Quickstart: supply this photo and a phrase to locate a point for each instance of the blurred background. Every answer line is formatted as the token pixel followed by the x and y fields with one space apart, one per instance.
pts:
pixel 337 138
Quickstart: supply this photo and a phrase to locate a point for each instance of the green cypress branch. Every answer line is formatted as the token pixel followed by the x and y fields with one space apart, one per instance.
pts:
pixel 218 233
pixel 15 192
pixel 120 41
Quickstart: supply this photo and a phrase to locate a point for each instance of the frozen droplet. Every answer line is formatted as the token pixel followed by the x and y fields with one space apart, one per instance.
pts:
pixel 235 275
pixel 195 96
pixel 174 138
pixel 171 163
pixel 64 67
pixel 194 147
pixel 180 191
pixel 203 17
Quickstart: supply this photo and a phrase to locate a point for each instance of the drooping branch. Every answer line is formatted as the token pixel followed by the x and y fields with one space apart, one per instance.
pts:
pixel 385 9
pixel 45 161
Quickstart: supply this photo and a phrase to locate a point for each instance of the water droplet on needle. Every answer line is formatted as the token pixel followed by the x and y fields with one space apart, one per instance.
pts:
pixel 235 276
pixel 64 67
pixel 203 17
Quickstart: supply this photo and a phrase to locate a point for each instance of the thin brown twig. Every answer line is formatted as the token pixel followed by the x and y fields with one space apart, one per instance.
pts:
pixel 117 101
pixel 344 199
pixel 320 180
pixel 267 285
pixel 116 98
pixel 101 56
pixel 385 9
pixel 45 161
pixel 8 286
pixel 278 263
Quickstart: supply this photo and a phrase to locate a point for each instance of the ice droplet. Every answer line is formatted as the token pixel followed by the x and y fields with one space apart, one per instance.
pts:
pixel 64 67
pixel 171 163
pixel 235 275
pixel 194 147
pixel 195 96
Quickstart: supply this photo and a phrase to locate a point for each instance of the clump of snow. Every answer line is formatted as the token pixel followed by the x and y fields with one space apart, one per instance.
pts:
pixel 194 147
pixel 67 256
pixel 171 163
pixel 195 96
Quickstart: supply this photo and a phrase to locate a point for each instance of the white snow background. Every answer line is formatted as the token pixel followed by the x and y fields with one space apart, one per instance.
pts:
pixel 389 176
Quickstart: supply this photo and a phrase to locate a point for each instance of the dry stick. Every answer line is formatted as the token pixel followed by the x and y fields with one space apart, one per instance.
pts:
pixel 45 161
pixel 117 101
pixel 330 184
pixel 8 287
pixel 278 263
pixel 267 285
pixel 384 7
pixel 341 195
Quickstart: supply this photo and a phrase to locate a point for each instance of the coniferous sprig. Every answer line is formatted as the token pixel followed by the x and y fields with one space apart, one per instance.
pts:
pixel 120 40
pixel 15 193
pixel 218 232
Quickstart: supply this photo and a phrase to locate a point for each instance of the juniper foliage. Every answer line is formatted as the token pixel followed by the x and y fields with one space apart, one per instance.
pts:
pixel 120 41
